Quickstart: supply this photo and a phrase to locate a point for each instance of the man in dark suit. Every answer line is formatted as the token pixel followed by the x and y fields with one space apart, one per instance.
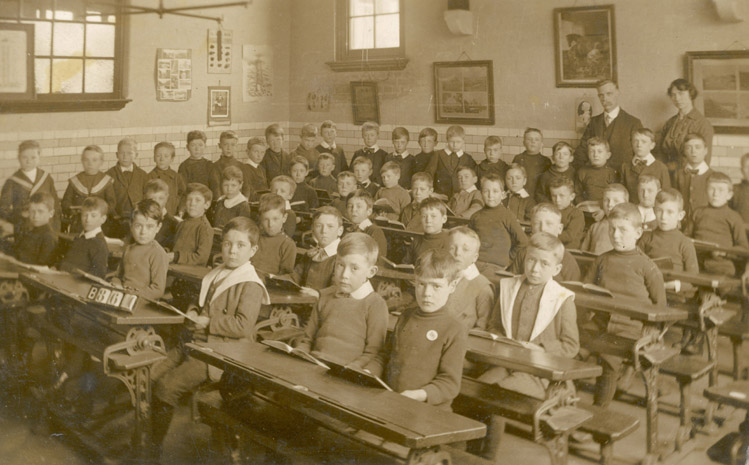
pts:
pixel 614 125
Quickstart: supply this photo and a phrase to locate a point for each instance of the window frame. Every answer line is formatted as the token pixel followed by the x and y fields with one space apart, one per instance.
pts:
pixel 50 102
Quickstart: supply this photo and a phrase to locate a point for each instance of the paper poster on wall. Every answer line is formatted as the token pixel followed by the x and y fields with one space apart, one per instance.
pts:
pixel 257 72
pixel 583 113
pixel 173 75
pixel 318 100
pixel 219 106
pixel 220 51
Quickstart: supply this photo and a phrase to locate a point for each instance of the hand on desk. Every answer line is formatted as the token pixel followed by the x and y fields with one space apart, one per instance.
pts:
pixel 310 292
pixel 200 322
pixel 416 394
pixel 717 254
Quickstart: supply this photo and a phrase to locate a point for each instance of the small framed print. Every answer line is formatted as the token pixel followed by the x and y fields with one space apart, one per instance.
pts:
pixel 464 92
pixel 92 293
pixel 219 106
pixel 17 65
pixel 364 102
pixel 115 299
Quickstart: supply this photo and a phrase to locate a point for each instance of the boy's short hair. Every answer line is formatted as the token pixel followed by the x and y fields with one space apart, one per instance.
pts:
pixel 232 173
pixel 683 84
pixel 616 187
pixel 328 123
pixel 603 82
pixel 646 178
pixel 328 210
pixel 44 199
pixel 627 211
pixel 255 141
pixel 360 160
pixel 97 203
pixel 227 135
pixel 422 176
pixel 528 130
pixel 465 231
pixel 361 194
pixel 274 129
pixel 744 158
pixel 546 207
pixel 165 145
pixel 455 131
pixel 428 132
pixel 29 144
pixel 391 166
pixel 493 177
pixel 492 141
pixel 192 135
pixel 92 148
pixel 643 132
pixel 437 264
pixel 560 145
pixel 245 225
pixel 548 243
pixel 127 141
pixel 562 181
pixel 717 177
pixel 517 167
pixel 401 132
pixel 359 243
pixel 150 209
pixel 433 203
pixel 596 141
pixel 345 175
pixel 370 126
pixel 300 160
pixel 692 136
pixel 271 201
pixel 286 179
pixel 466 168
pixel 200 188
pixel 308 130
pixel 326 156
pixel 155 185
pixel 670 195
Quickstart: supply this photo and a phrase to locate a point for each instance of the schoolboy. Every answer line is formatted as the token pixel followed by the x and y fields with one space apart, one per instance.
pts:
pixel 433 218
pixel 360 206
pixel 27 181
pixel 328 145
pixel 546 218
pixel 473 298
pixel 643 164
pixel 401 156
pixel 497 227
pixel 691 180
pixel 534 162
pixel 227 143
pixel 232 203
pixel 197 169
pixel 345 185
pixel 591 180
pixel 561 167
pixel 158 190
pixel 144 263
pixel 647 188
pixel 562 193
pixel 306 148
pixel 597 240
pixel 91 181
pixel 315 268
pixel 539 313
pixel 285 187
pixel 276 161
pixel 421 189
pixel 362 169
pixel 88 251
pixel 163 156
pixel 717 223
pixel 493 162
pixel 740 200
pixel 325 179
pixel 349 322
pixel 427 141
pixel 370 131
pixel 128 180
pixel 445 163
pixel 518 200
pixel 468 200
pixel 253 171
pixel 424 357
pixel 396 195
pixel 304 192
pixel 194 237
pixel 37 243
pixel 276 251
pixel 627 271
pixel 230 298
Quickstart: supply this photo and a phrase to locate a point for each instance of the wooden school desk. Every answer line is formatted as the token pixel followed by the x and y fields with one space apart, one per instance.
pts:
pixel 419 429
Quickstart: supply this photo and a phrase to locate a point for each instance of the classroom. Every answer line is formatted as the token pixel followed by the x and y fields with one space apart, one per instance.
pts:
pixel 374 231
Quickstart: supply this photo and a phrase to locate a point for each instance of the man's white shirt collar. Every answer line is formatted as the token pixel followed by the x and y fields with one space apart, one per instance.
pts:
pixel 613 114
pixel 471 189
pixel 363 291
pixel 365 224
pixel 332 248
pixel 647 214
pixel 471 272
pixel 374 148
pixel 522 193
pixel 701 169
pixel 123 169
pixel 459 153
pixel 649 159
pixel 92 234
pixel 288 205
pixel 327 146
pixel 403 155
pixel 253 164
pixel 234 201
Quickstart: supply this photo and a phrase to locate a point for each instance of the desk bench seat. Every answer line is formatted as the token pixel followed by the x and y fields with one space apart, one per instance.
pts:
pixel 607 427
pixel 737 331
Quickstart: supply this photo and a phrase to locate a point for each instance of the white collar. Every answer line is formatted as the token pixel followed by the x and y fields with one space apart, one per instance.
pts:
pixel 288 205
pixel 233 202
pixel 252 163
pixel 649 159
pixel 126 170
pixel 701 169
pixel 374 148
pixel 327 146
pixel 522 193
pixel 471 189
pixel 332 248
pixel 240 274
pixel 31 174
pixel 647 214
pixel 613 113
pixel 365 224
pixel 459 153
pixel 92 234
pixel 403 155
pixel 363 291
pixel 471 272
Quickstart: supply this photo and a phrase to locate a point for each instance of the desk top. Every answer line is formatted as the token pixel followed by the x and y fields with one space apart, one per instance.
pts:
pixel 10 270
pixel 632 308
pixel 378 411
pixel 73 288
pixel 724 283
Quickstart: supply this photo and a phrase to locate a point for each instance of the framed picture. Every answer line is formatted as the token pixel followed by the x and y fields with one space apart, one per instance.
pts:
pixel 722 79
pixel 584 45
pixel 364 102
pixel 464 92
pixel 583 113
pixel 219 106
pixel 17 66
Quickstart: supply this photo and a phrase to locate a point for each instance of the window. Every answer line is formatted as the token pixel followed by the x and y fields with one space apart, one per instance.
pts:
pixel 369 35
pixel 77 54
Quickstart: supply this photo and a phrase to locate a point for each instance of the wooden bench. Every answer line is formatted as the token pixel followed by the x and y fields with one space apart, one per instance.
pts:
pixel 731 449
pixel 607 427
pixel 737 331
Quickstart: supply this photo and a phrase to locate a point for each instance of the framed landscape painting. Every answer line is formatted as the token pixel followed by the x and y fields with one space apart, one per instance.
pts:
pixel 584 45
pixel 464 92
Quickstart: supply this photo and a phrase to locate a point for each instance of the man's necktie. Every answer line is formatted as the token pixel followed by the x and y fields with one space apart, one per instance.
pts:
pixel 606 119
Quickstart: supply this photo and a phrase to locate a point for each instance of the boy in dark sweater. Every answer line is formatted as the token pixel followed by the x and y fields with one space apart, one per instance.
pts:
pixel 643 164
pixel 534 162
pixel 253 172
pixel 591 180
pixel 91 181
pixel 424 357
pixel 598 239
pixel 128 181
pixel 197 169
pixel 328 145
pixel 562 193
pixel 433 218
pixel 468 200
pixel 647 188
pixel 691 180
pixel 401 156
pixel 325 179
pixel 360 207
pixel 314 270
pixel 163 155
pixel 498 229
pixel 349 322
pixel 396 195
pixel 493 162
pixel 306 149
pixel 445 163
pixel 88 251
pixel 276 161
pixel 345 186
pixel 740 200
pixel 232 203
pixel 561 168
pixel 370 131
pixel 362 169
pixel 158 190
pixel 194 237
pixel 304 192
pixel 285 187
pixel 36 244
pixel 421 189
pixel 518 200
pixel 718 223
pixel 276 251
pixel 473 298
pixel 427 141
pixel 227 143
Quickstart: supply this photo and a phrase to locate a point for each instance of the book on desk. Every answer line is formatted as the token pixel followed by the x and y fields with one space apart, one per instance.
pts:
pixel 282 283
pixel 405 267
pixel 287 349
pixel 353 374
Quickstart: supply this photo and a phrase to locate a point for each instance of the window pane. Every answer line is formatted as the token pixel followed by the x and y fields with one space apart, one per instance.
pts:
pixel 68 39
pixel 387 6
pixel 361 7
pixel 70 10
pixel 67 76
pixel 99 76
pixel 37 9
pixel 99 40
pixel 362 33
pixel 388 31
pixel 9 8
pixel 41 74
pixel 42 37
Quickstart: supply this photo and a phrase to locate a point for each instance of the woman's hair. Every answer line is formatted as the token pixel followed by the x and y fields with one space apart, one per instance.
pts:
pixel 683 84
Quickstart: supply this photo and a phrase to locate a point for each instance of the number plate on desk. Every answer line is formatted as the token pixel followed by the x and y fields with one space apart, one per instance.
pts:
pixel 113 298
